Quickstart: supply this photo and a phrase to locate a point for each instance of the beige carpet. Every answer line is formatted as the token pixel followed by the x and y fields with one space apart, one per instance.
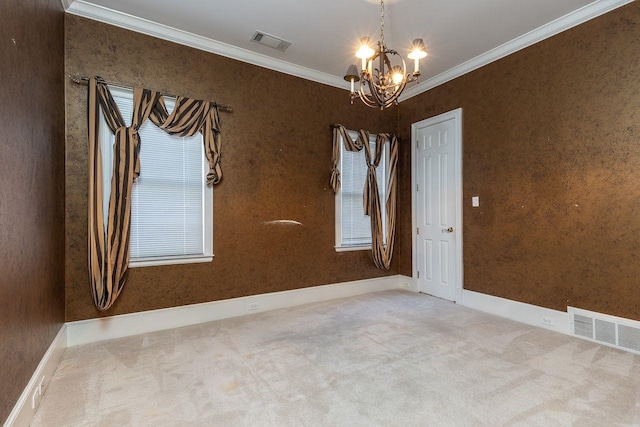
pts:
pixel 388 359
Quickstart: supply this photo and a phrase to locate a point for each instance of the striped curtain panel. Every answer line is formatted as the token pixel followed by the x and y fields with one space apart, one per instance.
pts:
pixel 109 248
pixel 380 252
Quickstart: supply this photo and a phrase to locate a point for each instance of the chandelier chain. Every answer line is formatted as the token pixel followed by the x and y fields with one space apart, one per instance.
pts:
pixel 382 21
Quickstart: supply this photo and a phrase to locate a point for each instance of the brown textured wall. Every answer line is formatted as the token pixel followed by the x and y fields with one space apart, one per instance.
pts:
pixel 276 159
pixel 552 147
pixel 31 189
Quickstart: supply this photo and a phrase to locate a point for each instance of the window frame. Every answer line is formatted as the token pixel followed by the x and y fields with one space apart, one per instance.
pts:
pixel 106 144
pixel 384 162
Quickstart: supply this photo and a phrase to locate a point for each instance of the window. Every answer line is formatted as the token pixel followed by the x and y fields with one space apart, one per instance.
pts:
pixel 171 204
pixel 353 227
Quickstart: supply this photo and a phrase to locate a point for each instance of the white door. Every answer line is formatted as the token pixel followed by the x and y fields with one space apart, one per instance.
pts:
pixel 437 260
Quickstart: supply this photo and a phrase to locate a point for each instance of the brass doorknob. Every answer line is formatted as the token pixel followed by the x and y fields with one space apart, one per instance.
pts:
pixel 448 230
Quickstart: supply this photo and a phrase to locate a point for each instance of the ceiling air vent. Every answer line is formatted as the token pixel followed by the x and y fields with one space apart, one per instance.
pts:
pixel 271 41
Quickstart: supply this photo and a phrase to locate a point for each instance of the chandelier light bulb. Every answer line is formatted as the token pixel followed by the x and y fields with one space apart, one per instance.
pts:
pixel 418 50
pixel 365 51
pixel 397 75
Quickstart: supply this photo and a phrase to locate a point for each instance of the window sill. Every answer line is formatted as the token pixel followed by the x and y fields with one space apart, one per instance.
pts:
pixel 353 248
pixel 150 262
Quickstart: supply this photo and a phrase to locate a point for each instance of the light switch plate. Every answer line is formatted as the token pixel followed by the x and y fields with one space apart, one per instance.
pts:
pixel 475 201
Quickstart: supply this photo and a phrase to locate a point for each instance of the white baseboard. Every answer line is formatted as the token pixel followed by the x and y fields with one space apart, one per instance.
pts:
pixel 94 330
pixel 533 315
pixel 27 404
pixel 408 283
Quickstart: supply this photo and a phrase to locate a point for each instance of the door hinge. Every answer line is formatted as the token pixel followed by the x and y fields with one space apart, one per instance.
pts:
pixel 418 274
pixel 417 230
pixel 417 187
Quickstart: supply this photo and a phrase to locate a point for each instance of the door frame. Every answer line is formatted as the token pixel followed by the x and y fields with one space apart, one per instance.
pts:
pixel 457 144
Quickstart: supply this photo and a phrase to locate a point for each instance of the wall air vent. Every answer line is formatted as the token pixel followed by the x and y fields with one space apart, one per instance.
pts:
pixel 629 338
pixel 271 41
pixel 618 332
pixel 606 331
pixel 583 326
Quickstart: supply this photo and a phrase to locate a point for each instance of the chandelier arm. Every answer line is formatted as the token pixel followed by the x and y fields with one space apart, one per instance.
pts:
pixel 367 98
pixel 370 100
pixel 374 89
pixel 397 93
pixel 373 98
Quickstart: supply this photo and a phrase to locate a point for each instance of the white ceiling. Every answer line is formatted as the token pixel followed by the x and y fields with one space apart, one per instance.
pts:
pixel 460 35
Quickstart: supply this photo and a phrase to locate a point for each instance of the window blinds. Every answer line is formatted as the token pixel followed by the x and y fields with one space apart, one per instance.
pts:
pixel 167 206
pixel 355 225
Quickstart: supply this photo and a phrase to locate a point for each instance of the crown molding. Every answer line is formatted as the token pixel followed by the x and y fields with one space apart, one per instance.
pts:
pixel 99 13
pixel 165 32
pixel 584 14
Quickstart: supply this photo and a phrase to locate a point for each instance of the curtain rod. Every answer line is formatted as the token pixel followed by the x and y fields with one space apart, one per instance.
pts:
pixel 76 78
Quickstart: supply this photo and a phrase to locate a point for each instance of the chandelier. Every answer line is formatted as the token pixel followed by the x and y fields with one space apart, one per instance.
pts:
pixel 383 74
